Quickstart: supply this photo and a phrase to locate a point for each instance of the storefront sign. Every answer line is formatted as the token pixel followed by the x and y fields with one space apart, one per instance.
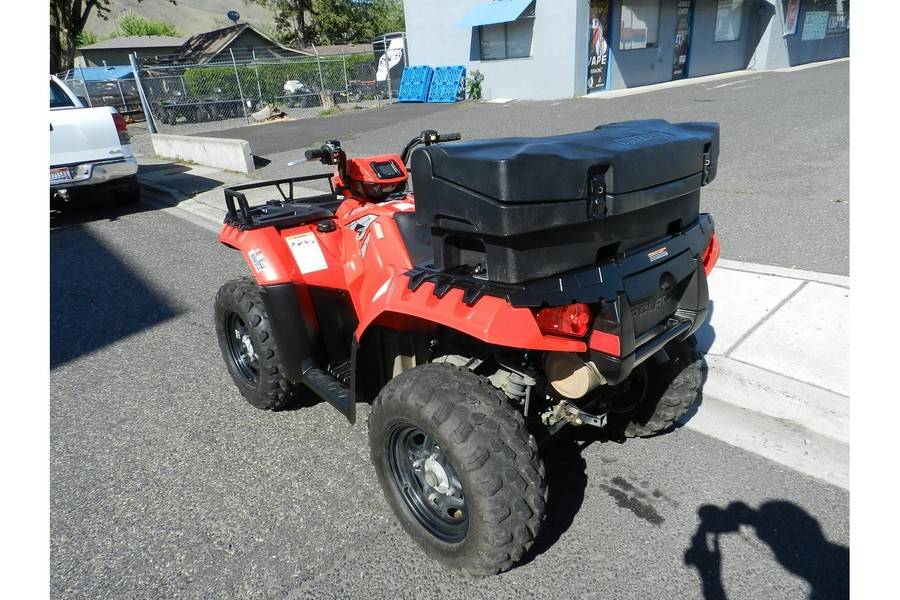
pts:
pixel 815 25
pixel 682 39
pixel 837 24
pixel 598 45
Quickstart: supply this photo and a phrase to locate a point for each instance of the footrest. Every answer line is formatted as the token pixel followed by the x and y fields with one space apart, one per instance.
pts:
pixel 332 390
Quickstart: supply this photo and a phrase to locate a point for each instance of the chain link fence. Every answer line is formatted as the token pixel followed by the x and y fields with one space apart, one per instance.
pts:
pixel 119 93
pixel 242 89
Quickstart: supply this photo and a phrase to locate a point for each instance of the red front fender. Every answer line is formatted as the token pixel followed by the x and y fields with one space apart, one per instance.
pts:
pixel 268 257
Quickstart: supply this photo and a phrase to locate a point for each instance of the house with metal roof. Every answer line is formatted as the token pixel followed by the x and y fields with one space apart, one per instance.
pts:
pixel 115 51
pixel 240 42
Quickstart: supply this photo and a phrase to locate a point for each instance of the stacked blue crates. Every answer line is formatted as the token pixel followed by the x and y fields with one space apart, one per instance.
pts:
pixel 414 84
pixel 448 84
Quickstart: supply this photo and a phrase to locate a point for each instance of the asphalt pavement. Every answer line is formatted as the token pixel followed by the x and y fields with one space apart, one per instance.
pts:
pixel 164 483
pixel 775 346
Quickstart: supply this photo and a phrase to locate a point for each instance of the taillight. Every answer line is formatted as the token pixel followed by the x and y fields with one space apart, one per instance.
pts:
pixel 572 320
pixel 121 128
pixel 711 254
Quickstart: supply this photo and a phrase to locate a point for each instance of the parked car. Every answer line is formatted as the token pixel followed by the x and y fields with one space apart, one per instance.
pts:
pixel 89 147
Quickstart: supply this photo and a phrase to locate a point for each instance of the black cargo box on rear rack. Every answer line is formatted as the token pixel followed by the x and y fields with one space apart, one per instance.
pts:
pixel 517 209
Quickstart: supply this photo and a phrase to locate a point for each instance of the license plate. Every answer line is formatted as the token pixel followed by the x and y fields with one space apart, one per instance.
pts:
pixel 60 174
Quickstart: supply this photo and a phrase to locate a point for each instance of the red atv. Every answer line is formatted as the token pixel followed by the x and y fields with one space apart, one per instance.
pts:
pixel 532 283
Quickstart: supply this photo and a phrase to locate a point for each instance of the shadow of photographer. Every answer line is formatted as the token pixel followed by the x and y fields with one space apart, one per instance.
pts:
pixel 796 540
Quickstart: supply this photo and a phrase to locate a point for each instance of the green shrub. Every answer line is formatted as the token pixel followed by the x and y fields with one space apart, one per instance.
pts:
pixel 473 85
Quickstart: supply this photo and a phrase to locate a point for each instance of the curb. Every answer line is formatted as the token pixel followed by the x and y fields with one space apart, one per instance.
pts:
pixel 786 273
pixel 753 388
pixel 209 218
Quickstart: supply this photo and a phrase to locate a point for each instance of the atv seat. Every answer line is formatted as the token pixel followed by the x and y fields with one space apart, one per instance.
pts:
pixel 416 238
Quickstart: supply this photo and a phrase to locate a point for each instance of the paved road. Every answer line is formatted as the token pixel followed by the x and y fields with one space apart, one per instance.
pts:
pixel 165 484
pixel 781 196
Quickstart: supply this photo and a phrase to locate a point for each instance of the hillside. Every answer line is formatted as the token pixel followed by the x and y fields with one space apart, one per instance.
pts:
pixel 190 17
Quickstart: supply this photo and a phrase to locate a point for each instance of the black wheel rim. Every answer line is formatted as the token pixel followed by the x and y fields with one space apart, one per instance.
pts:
pixel 428 483
pixel 240 347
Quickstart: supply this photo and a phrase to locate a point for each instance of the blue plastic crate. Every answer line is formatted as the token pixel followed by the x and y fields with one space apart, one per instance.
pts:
pixel 448 84
pixel 414 84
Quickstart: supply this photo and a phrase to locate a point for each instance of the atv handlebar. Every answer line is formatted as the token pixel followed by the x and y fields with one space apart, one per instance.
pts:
pixel 317 154
pixel 450 137
pixel 329 153
pixel 427 137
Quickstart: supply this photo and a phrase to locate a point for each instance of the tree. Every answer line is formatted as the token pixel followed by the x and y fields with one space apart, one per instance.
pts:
pixel 355 21
pixel 299 23
pixel 67 21
pixel 387 16
pixel 291 20
pixel 340 22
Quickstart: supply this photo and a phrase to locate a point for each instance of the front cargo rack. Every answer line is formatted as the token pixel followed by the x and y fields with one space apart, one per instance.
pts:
pixel 287 211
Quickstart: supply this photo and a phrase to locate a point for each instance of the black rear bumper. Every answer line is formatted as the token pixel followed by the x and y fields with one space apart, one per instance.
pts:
pixel 648 297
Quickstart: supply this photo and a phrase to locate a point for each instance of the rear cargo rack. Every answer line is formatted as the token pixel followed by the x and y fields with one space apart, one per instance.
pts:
pixel 287 211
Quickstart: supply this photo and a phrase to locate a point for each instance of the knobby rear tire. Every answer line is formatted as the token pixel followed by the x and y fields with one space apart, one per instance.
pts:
pixel 667 391
pixel 489 462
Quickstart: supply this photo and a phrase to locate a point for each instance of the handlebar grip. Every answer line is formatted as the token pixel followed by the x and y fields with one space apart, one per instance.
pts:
pixel 316 154
pixel 449 137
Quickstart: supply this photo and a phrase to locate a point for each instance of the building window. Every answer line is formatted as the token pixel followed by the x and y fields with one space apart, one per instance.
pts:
pixel 728 20
pixel 508 40
pixel 640 24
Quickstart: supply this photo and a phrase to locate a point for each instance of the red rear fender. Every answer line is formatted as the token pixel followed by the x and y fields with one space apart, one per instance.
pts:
pixel 491 319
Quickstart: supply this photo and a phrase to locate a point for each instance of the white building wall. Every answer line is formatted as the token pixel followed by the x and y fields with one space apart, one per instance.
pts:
pixel 556 69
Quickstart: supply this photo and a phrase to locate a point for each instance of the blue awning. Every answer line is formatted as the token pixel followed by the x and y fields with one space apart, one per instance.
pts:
pixel 492 13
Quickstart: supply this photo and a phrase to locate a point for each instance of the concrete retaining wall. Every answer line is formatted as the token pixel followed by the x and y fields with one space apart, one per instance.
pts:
pixel 229 155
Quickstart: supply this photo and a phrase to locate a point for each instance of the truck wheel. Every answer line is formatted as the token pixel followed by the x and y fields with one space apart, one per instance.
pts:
pixel 248 347
pixel 458 468
pixel 658 393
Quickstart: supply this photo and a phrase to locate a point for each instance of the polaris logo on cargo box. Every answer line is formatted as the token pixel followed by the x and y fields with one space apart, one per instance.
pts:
pixel 644 138
pixel 642 310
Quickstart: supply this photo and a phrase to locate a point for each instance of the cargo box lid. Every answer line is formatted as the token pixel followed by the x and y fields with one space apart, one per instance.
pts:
pixel 631 155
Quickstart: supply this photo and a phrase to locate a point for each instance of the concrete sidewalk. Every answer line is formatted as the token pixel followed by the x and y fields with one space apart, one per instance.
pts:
pixel 776 345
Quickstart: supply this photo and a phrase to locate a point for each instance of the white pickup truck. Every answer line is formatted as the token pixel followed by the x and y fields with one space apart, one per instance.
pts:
pixel 89 147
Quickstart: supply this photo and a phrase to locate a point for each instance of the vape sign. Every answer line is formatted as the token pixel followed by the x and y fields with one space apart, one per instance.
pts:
pixel 598 45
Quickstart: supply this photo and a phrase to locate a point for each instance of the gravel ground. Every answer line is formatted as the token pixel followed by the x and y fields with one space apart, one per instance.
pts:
pixel 140 140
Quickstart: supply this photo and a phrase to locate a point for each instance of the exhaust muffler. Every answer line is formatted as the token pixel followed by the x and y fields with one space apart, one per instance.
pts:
pixel 571 376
